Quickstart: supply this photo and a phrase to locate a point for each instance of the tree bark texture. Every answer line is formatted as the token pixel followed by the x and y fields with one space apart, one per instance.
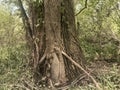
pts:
pixel 54 40
pixel 52 24
pixel 70 38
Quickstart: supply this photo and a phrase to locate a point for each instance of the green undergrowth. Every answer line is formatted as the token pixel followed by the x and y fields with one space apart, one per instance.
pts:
pixel 13 61
pixel 15 73
pixel 108 78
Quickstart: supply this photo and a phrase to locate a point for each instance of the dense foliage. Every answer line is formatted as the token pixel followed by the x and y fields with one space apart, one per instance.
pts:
pixel 13 49
pixel 99 30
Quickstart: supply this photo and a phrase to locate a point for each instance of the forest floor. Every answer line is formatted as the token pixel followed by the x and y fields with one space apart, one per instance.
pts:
pixel 106 74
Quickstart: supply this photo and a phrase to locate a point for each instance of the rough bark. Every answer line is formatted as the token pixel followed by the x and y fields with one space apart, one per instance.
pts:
pixel 70 38
pixel 53 40
pixel 53 30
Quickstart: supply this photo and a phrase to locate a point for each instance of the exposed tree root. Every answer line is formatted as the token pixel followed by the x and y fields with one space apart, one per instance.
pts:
pixel 42 59
pixel 72 83
pixel 76 64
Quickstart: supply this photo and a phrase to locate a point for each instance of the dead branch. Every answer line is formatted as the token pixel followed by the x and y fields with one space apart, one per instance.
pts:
pixel 80 67
pixel 82 8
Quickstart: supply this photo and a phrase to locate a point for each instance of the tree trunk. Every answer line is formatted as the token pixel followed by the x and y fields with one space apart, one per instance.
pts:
pixel 54 40
pixel 52 24
pixel 71 40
